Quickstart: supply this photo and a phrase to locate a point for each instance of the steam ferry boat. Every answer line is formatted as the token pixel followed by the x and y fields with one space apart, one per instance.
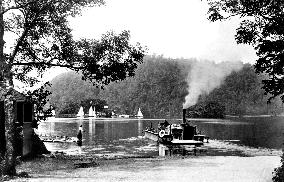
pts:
pixel 176 134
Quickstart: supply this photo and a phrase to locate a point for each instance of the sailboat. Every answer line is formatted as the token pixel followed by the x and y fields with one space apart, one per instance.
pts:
pixel 91 113
pixel 53 112
pixel 81 112
pixel 139 114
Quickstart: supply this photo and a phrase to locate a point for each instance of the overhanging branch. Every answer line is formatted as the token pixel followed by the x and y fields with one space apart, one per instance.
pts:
pixel 48 64
pixel 17 7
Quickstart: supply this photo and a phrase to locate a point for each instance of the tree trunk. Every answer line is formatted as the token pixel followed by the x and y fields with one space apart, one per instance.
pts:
pixel 10 133
pixel 9 160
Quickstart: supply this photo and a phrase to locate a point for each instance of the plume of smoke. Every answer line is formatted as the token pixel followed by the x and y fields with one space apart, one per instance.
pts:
pixel 206 76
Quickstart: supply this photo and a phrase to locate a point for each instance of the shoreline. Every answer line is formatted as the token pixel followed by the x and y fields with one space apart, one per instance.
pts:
pixel 150 148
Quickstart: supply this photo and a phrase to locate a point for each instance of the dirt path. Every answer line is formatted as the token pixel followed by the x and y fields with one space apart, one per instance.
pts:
pixel 194 169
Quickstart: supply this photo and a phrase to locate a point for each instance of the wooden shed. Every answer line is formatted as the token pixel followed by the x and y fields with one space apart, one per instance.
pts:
pixel 24 123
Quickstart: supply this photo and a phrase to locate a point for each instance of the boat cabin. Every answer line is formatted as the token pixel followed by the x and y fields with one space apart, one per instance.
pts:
pixel 24 124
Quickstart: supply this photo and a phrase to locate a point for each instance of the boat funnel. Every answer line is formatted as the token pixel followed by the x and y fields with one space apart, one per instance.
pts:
pixel 183 115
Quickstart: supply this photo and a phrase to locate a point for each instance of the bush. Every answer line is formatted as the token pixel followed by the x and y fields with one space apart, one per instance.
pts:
pixel 207 110
pixel 278 174
pixel 68 108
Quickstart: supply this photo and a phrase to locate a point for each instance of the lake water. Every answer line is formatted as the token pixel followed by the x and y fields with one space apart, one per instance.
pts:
pixel 124 136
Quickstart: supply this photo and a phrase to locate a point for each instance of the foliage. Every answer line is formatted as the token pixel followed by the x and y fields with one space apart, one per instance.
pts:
pixel 69 92
pixel 67 108
pixel 73 107
pixel 158 88
pixel 262 27
pixel 206 110
pixel 97 103
pixel 43 40
pixel 38 98
pixel 278 174
pixel 241 94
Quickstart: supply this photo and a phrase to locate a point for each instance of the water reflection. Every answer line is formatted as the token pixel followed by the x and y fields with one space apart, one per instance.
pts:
pixel 99 136
pixel 95 130
pixel 255 132
pixel 92 127
pixel 123 134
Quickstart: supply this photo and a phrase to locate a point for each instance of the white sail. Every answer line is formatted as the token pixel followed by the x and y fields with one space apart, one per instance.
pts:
pixel 139 114
pixel 91 113
pixel 53 112
pixel 81 112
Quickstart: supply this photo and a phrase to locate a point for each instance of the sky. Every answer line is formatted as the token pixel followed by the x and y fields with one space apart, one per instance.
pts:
pixel 175 29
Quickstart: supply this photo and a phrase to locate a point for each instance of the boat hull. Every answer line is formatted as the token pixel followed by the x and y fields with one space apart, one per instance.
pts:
pixel 197 141
pixel 151 135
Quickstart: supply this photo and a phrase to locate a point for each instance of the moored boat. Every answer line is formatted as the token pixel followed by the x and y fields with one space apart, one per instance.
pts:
pixel 151 134
pixel 58 139
pixel 176 134
pixel 91 112
pixel 80 113
pixel 139 114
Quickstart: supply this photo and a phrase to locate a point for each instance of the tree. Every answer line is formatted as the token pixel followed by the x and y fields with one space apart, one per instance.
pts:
pixel 68 91
pixel 241 94
pixel 207 109
pixel 278 173
pixel 158 89
pixel 38 98
pixel 262 27
pixel 44 40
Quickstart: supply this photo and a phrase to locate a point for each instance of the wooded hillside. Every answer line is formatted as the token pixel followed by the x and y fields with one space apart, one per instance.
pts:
pixel 159 88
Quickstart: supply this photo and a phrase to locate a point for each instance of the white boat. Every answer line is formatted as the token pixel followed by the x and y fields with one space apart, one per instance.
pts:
pixel 172 135
pixel 113 115
pixel 53 112
pixel 151 134
pixel 123 116
pixel 175 134
pixel 81 113
pixel 139 114
pixel 91 112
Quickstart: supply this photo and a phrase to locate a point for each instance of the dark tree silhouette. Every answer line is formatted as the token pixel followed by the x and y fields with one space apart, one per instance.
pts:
pixel 262 27
pixel 44 40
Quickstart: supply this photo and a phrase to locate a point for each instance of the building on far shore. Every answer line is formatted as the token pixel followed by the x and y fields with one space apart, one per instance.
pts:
pixel 24 124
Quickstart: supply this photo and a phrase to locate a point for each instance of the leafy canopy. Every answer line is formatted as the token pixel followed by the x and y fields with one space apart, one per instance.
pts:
pixel 262 27
pixel 44 40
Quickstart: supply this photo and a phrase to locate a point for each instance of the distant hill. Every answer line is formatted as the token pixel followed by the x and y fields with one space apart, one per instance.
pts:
pixel 241 94
pixel 68 92
pixel 159 88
